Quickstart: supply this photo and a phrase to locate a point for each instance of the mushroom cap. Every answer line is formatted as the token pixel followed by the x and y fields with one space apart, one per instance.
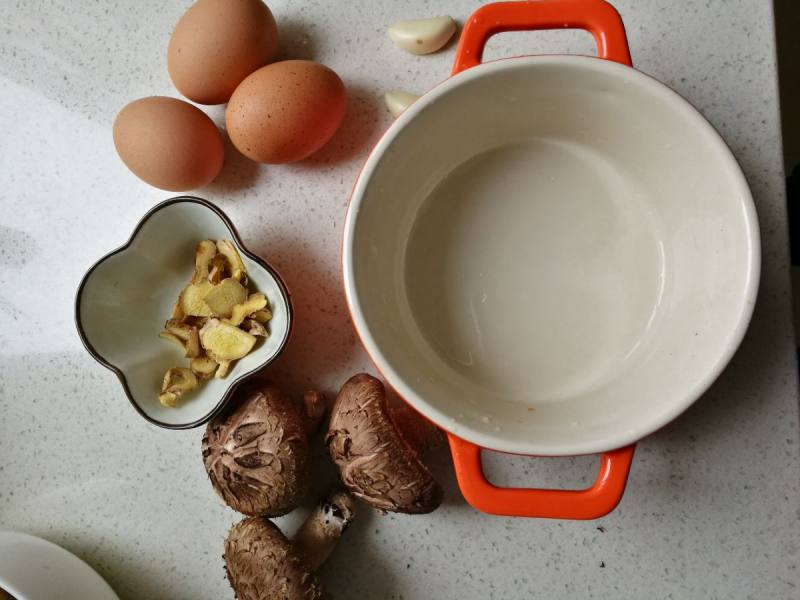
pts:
pixel 263 565
pixel 257 452
pixel 376 463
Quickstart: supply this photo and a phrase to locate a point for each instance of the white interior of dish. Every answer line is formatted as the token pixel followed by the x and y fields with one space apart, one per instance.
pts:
pixel 128 297
pixel 551 255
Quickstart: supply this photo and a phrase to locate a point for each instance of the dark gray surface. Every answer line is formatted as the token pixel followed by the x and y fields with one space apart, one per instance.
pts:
pixel 787 30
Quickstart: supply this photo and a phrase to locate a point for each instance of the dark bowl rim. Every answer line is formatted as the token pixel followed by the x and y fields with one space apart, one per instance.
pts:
pixel 233 385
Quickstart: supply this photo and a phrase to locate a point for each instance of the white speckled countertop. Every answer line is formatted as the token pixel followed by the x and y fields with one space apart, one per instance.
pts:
pixel 712 506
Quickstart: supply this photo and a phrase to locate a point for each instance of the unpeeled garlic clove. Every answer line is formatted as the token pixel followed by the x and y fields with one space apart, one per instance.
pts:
pixel 422 36
pixel 397 101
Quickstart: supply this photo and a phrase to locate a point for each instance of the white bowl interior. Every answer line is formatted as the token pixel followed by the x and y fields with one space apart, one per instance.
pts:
pixel 129 295
pixel 551 255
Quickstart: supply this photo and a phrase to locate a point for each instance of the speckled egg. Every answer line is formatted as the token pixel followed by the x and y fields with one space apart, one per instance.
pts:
pixel 286 111
pixel 216 44
pixel 168 143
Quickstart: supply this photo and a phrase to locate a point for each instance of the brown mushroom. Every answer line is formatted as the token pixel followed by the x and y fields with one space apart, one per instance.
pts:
pixel 257 452
pixel 263 565
pixel 378 450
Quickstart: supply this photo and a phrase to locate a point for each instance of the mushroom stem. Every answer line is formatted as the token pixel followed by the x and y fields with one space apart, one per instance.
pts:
pixel 316 538
pixel 419 433
pixel 314 407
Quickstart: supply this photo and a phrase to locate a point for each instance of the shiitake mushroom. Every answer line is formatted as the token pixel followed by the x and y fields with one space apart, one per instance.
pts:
pixel 256 453
pixel 262 564
pixel 378 449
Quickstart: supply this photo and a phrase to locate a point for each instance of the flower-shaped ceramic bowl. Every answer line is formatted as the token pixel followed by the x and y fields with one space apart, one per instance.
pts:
pixel 124 299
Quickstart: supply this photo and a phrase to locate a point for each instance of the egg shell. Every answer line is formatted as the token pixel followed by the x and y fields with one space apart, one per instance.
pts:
pixel 286 111
pixel 216 44
pixel 168 143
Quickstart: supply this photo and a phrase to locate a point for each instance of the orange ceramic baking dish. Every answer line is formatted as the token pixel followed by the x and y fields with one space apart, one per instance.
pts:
pixel 550 255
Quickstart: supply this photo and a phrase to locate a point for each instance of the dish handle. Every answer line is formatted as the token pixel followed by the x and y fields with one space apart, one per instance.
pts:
pixel 595 16
pixel 591 503
pixel 603 21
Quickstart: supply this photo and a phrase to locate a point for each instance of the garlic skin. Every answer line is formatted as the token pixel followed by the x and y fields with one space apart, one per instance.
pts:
pixel 397 101
pixel 422 36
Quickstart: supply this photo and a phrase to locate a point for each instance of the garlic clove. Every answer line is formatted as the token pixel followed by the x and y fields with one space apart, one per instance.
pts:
pixel 422 36
pixel 397 101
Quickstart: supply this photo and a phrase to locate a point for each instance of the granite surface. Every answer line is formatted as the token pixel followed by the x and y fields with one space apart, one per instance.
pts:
pixel 712 508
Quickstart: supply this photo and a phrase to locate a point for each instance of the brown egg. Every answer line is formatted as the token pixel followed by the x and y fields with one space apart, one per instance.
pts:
pixel 168 143
pixel 216 44
pixel 286 111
